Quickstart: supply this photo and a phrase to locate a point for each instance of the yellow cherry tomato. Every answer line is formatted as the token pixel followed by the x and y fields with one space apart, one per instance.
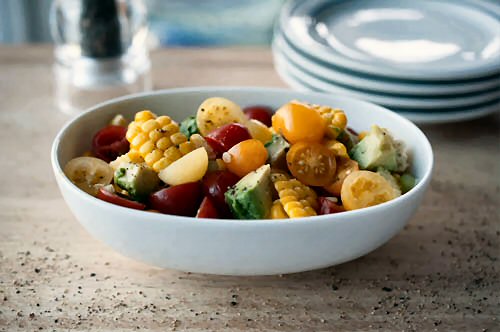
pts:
pixel 259 131
pixel 345 166
pixel 298 122
pixel 364 188
pixel 312 163
pixel 244 157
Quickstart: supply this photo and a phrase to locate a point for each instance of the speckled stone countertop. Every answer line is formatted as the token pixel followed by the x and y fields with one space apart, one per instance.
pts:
pixel 441 273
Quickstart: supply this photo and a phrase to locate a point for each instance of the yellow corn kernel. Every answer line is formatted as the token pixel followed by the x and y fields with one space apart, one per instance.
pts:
pixel 143 116
pixel 150 125
pixel 146 148
pixel 163 143
pixel 129 157
pixel 335 118
pixel 277 211
pixel 297 199
pixel 362 135
pixel 161 164
pixel 178 138
pixel 338 148
pixel 186 147
pixel 172 153
pixel 170 128
pixel 164 120
pixel 153 157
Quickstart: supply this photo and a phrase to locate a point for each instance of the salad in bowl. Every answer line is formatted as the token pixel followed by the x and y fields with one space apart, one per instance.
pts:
pixel 230 162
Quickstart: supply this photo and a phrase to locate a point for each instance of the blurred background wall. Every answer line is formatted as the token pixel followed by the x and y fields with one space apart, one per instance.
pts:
pixel 172 22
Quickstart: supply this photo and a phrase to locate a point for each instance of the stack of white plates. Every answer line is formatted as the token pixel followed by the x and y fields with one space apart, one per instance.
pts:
pixel 431 60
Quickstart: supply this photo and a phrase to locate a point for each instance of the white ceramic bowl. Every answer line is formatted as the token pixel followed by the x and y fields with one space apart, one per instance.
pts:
pixel 239 247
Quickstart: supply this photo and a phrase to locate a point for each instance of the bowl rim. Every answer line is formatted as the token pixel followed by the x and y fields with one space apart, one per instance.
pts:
pixel 160 217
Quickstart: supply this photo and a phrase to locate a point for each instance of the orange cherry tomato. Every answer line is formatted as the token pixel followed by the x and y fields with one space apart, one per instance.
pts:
pixel 244 157
pixel 312 163
pixel 298 122
pixel 345 166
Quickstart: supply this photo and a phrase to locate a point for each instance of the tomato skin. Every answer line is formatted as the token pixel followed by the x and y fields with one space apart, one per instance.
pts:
pixel 225 137
pixel 245 157
pixel 110 142
pixel 311 163
pixel 299 123
pixel 182 200
pixel 345 166
pixel 365 188
pixel 207 209
pixel 326 206
pixel 215 185
pixel 260 112
pixel 115 199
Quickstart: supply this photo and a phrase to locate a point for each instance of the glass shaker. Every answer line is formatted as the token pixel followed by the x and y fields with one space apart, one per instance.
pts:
pixel 100 53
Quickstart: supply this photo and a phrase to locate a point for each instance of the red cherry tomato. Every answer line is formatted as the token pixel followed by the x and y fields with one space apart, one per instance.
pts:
pixel 207 209
pixel 225 137
pixel 110 142
pixel 215 185
pixel 115 199
pixel 327 206
pixel 261 113
pixel 182 200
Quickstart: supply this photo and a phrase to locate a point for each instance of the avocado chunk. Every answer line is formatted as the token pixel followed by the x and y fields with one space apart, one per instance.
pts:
pixel 407 182
pixel 276 151
pixel 379 149
pixel 250 198
pixel 189 127
pixel 139 180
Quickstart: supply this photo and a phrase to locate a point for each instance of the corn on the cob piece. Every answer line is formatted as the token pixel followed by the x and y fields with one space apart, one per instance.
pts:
pixel 157 139
pixel 336 120
pixel 277 211
pixel 298 200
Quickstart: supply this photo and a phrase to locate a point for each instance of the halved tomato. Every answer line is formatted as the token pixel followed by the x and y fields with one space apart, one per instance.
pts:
pixel 345 166
pixel 312 163
pixel 118 200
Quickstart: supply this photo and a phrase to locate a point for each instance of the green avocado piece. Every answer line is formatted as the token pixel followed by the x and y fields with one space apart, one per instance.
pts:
pixel 378 149
pixel 407 182
pixel 139 180
pixel 276 151
pixel 189 127
pixel 251 197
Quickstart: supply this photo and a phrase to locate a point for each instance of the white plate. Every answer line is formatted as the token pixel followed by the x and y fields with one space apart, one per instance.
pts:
pixel 390 101
pixel 421 40
pixel 451 116
pixel 383 85
pixel 426 117
pixel 239 247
